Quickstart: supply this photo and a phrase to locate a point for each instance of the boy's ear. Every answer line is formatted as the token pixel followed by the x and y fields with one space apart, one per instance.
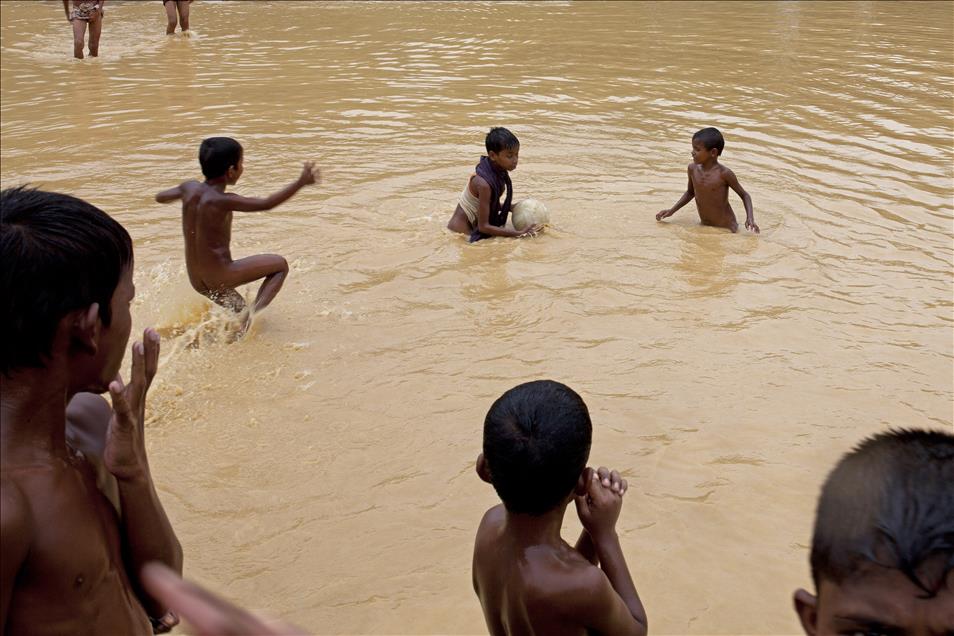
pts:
pixel 85 328
pixel 483 470
pixel 584 479
pixel 806 606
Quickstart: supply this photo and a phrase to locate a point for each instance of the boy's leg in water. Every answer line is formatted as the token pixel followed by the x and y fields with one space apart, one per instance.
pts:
pixel 79 38
pixel 183 6
pixel 170 8
pixel 95 28
pixel 272 267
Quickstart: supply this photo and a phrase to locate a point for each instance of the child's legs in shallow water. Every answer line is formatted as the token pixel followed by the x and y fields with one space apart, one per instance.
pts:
pixel 272 267
pixel 79 37
pixel 95 29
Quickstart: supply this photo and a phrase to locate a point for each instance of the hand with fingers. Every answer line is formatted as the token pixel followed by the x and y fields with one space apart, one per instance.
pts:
pixel 662 214
pixel 600 504
pixel 206 613
pixel 125 452
pixel 533 230
pixel 309 174
pixel 751 225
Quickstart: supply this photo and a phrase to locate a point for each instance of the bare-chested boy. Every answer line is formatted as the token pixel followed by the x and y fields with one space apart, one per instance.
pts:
pixel 529 580
pixel 71 556
pixel 85 12
pixel 207 227
pixel 709 183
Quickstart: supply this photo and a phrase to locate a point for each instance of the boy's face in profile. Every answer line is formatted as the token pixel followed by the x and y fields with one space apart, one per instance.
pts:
pixel 506 158
pixel 876 601
pixel 700 153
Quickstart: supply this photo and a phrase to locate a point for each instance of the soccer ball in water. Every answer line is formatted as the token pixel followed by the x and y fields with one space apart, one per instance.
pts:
pixel 529 212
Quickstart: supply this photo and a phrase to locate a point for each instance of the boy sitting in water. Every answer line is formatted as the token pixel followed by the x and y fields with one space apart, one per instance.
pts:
pixel 479 211
pixel 207 227
pixel 883 548
pixel 530 581
pixel 709 183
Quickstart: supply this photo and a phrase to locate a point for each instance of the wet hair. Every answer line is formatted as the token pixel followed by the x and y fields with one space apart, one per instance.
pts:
pixel 889 502
pixel 710 138
pixel 501 139
pixel 217 155
pixel 536 443
pixel 57 254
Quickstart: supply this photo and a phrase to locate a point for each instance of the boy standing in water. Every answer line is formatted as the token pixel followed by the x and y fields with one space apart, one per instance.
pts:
pixel 883 547
pixel 70 557
pixel 207 227
pixel 709 183
pixel 529 580
pixel 171 6
pixel 479 211
pixel 85 12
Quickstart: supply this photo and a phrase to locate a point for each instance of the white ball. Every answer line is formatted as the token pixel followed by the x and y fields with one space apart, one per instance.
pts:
pixel 529 212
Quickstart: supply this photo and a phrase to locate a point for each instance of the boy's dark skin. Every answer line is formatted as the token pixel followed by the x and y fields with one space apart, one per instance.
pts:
pixel 531 581
pixel 70 560
pixel 709 183
pixel 506 159
pixel 207 227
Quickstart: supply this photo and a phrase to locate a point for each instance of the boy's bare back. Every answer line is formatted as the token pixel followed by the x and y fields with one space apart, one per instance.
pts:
pixel 207 229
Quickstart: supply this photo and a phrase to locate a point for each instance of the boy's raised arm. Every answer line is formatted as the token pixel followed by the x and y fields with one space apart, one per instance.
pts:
pixel 613 607
pixel 309 175
pixel 172 194
pixel 687 196
pixel 733 183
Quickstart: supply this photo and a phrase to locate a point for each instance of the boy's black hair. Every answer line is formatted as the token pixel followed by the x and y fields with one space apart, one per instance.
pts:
pixel 501 139
pixel 57 254
pixel 536 443
pixel 889 502
pixel 710 138
pixel 218 154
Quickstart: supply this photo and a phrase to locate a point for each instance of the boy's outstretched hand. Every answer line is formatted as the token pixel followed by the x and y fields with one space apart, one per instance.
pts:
pixel 125 451
pixel 205 612
pixel 309 174
pixel 599 506
pixel 533 230
pixel 750 225
pixel 662 214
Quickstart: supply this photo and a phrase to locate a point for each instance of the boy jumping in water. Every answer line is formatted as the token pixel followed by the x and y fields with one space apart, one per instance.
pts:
pixel 479 211
pixel 529 580
pixel 207 227
pixel 882 552
pixel 709 183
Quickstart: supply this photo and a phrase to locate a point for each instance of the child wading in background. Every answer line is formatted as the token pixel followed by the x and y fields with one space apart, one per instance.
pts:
pixel 709 183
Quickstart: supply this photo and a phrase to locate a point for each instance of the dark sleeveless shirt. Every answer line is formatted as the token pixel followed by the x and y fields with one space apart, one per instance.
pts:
pixel 498 180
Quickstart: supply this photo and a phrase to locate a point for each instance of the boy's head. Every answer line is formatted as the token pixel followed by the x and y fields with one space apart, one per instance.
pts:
pixel 883 547
pixel 66 282
pixel 221 157
pixel 706 143
pixel 536 443
pixel 503 148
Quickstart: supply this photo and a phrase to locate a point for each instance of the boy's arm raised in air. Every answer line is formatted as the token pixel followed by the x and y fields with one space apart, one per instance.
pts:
pixel 309 175
pixel 483 214
pixel 172 194
pixel 611 604
pixel 687 196
pixel 733 183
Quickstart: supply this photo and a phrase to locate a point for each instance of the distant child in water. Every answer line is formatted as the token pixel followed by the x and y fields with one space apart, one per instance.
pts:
pixel 528 579
pixel 85 12
pixel 480 212
pixel 207 226
pixel 709 183
pixel 173 6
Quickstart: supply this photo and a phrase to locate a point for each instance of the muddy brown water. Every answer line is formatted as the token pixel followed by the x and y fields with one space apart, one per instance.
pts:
pixel 322 468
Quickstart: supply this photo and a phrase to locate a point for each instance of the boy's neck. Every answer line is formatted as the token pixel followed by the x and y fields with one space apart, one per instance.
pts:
pixel 219 183
pixel 709 164
pixel 543 529
pixel 33 415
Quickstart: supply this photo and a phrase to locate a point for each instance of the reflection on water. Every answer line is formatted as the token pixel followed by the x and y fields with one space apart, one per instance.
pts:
pixel 323 467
